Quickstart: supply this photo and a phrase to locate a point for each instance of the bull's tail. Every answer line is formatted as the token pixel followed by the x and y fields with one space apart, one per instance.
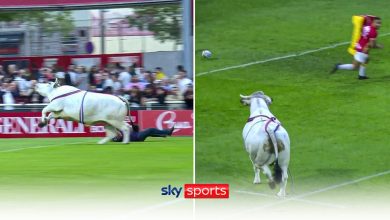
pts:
pixel 277 169
pixel 277 172
pixel 272 136
pixel 127 107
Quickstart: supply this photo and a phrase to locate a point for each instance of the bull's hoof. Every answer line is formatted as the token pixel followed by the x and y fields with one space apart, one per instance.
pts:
pixel 41 124
pixel 281 194
pixel 272 184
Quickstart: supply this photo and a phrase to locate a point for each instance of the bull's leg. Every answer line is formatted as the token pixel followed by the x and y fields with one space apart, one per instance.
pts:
pixel 45 110
pixel 257 179
pixel 110 133
pixel 256 169
pixel 283 184
pixel 125 128
pixel 284 160
pixel 43 117
pixel 266 170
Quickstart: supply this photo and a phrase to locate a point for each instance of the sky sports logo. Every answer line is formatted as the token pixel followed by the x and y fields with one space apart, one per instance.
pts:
pixel 198 191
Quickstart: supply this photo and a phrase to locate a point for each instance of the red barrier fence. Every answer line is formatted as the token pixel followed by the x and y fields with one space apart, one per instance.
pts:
pixel 101 60
pixel 161 119
pixel 25 124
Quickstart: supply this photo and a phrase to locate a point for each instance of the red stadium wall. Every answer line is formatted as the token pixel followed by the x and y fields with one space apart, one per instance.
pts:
pixel 34 63
pixel 164 119
pixel 25 124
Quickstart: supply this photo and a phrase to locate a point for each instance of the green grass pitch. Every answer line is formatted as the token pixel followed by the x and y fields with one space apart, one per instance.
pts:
pixel 339 126
pixel 69 166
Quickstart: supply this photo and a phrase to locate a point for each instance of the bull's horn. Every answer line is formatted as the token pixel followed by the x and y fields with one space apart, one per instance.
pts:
pixel 244 96
pixel 56 83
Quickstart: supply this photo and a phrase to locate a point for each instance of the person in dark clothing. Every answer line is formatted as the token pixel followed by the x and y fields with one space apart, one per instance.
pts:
pixel 140 136
pixel 68 80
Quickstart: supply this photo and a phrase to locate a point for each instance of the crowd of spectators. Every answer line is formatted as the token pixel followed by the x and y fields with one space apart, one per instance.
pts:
pixel 137 85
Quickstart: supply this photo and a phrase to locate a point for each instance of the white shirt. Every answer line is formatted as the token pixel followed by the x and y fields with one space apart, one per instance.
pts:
pixel 108 83
pixel 8 99
pixel 124 77
pixel 183 84
pixel 73 77
pixel 23 84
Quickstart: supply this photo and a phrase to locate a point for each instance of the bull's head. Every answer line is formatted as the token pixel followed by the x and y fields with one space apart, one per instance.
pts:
pixel 246 100
pixel 45 89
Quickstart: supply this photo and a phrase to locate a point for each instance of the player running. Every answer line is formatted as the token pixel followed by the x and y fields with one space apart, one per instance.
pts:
pixel 366 42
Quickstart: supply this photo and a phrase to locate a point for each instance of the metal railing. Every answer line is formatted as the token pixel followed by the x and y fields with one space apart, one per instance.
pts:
pixel 37 107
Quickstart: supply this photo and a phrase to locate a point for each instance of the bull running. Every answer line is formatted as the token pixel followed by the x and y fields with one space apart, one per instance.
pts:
pixel 70 103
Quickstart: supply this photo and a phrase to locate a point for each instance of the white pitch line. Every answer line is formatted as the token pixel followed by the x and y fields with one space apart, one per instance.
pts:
pixel 44 146
pixel 293 199
pixel 280 58
pixel 312 193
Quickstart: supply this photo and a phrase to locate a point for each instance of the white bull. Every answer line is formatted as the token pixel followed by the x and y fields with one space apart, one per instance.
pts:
pixel 266 141
pixel 70 103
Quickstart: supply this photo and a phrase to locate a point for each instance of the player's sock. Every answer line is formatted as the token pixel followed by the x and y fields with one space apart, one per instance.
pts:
pixel 345 67
pixel 362 71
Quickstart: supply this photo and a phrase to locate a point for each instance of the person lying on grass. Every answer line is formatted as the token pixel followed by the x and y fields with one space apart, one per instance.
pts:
pixel 140 136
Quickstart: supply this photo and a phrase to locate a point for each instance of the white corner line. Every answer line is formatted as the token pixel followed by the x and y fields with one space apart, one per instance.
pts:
pixel 297 54
pixel 285 200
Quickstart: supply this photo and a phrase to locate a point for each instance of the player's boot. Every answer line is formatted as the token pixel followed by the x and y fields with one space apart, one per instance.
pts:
pixel 171 131
pixel 335 68
pixel 362 77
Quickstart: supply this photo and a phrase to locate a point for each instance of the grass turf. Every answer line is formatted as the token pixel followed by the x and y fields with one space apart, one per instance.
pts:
pixel 338 125
pixel 77 165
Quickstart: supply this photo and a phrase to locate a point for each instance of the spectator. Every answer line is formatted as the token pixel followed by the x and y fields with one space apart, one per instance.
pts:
pixel 91 75
pixel 180 68
pixel 8 94
pixel 24 86
pixel 160 95
pixel 134 82
pixel 183 81
pixel 124 77
pixel 18 86
pixel 135 97
pixel 20 81
pixel 139 70
pixel 47 75
pixel 165 83
pixel 149 93
pixel 132 70
pixel 2 73
pixel 82 78
pixel 174 94
pixel 189 97
pixel 70 76
pixel 117 84
pixel 60 75
pixel 160 74
pixel 145 77
pixel 107 81
pixel 98 81
pixel 108 90
pixel 12 71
